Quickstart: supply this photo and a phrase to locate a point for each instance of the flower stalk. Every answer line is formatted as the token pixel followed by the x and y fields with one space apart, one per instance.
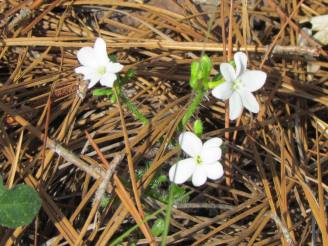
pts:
pixel 192 108
pixel 134 110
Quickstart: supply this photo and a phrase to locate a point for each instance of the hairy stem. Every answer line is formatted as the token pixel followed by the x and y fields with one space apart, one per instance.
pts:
pixel 192 108
pixel 134 109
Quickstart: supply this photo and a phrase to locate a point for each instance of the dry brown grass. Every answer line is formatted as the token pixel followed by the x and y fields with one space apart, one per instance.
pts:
pixel 275 191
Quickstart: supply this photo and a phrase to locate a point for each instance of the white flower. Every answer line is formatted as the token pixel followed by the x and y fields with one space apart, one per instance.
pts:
pixel 319 22
pixel 239 85
pixel 320 27
pixel 204 162
pixel 96 65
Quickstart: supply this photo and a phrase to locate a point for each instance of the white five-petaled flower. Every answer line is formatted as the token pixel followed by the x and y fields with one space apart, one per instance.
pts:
pixel 238 86
pixel 96 66
pixel 203 162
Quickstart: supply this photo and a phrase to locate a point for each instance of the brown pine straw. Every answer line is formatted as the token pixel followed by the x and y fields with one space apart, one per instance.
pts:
pixel 128 203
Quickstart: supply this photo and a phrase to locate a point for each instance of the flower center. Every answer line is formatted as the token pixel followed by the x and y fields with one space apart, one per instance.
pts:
pixel 101 70
pixel 236 84
pixel 198 160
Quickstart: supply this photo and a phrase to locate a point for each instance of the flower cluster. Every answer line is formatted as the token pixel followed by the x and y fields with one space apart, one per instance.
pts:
pixel 237 86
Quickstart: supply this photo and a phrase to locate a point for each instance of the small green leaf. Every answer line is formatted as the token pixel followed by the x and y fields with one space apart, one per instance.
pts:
pixel 198 127
pixel 134 110
pixel 104 201
pixel 194 84
pixel 113 58
pixel 195 70
pixel 18 206
pixel 102 92
pixel 162 179
pixel 195 75
pixel 130 74
pixel 113 98
pixel 178 194
pixel 217 77
pixel 158 227
pixel 206 66
pixel 127 77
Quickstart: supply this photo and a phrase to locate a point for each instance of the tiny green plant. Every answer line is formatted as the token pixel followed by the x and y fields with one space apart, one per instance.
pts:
pixel 234 83
pixel 158 227
pixel 157 188
pixel 18 206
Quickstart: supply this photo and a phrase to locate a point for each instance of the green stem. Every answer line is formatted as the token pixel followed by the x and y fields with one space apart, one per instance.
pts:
pixel 135 227
pixel 190 111
pixel 134 109
pixel 192 108
pixel 213 84
pixel 148 217
pixel 167 216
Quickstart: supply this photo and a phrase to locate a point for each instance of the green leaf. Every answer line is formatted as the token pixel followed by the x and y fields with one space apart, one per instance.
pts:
pixel 206 66
pixel 113 98
pixel 104 201
pixel 179 194
pixel 102 92
pixel 198 127
pixel 195 75
pixel 194 84
pixel 18 206
pixel 158 227
pixel 134 110
pixel 162 179
pixel 130 74
pixel 113 58
pixel 195 70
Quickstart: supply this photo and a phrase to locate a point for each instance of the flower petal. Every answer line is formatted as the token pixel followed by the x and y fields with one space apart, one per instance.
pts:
pixel 190 144
pixel 93 81
pixel 241 62
pixel 199 177
pixel 101 52
pixel 228 72
pixel 210 154
pixel 108 79
pixel 86 57
pixel 235 106
pixel 213 142
pixel 253 79
pixel 114 67
pixel 182 171
pixel 211 150
pixel 88 72
pixel 319 22
pixel 83 70
pixel 322 36
pixel 214 170
pixel 249 101
pixel 223 91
